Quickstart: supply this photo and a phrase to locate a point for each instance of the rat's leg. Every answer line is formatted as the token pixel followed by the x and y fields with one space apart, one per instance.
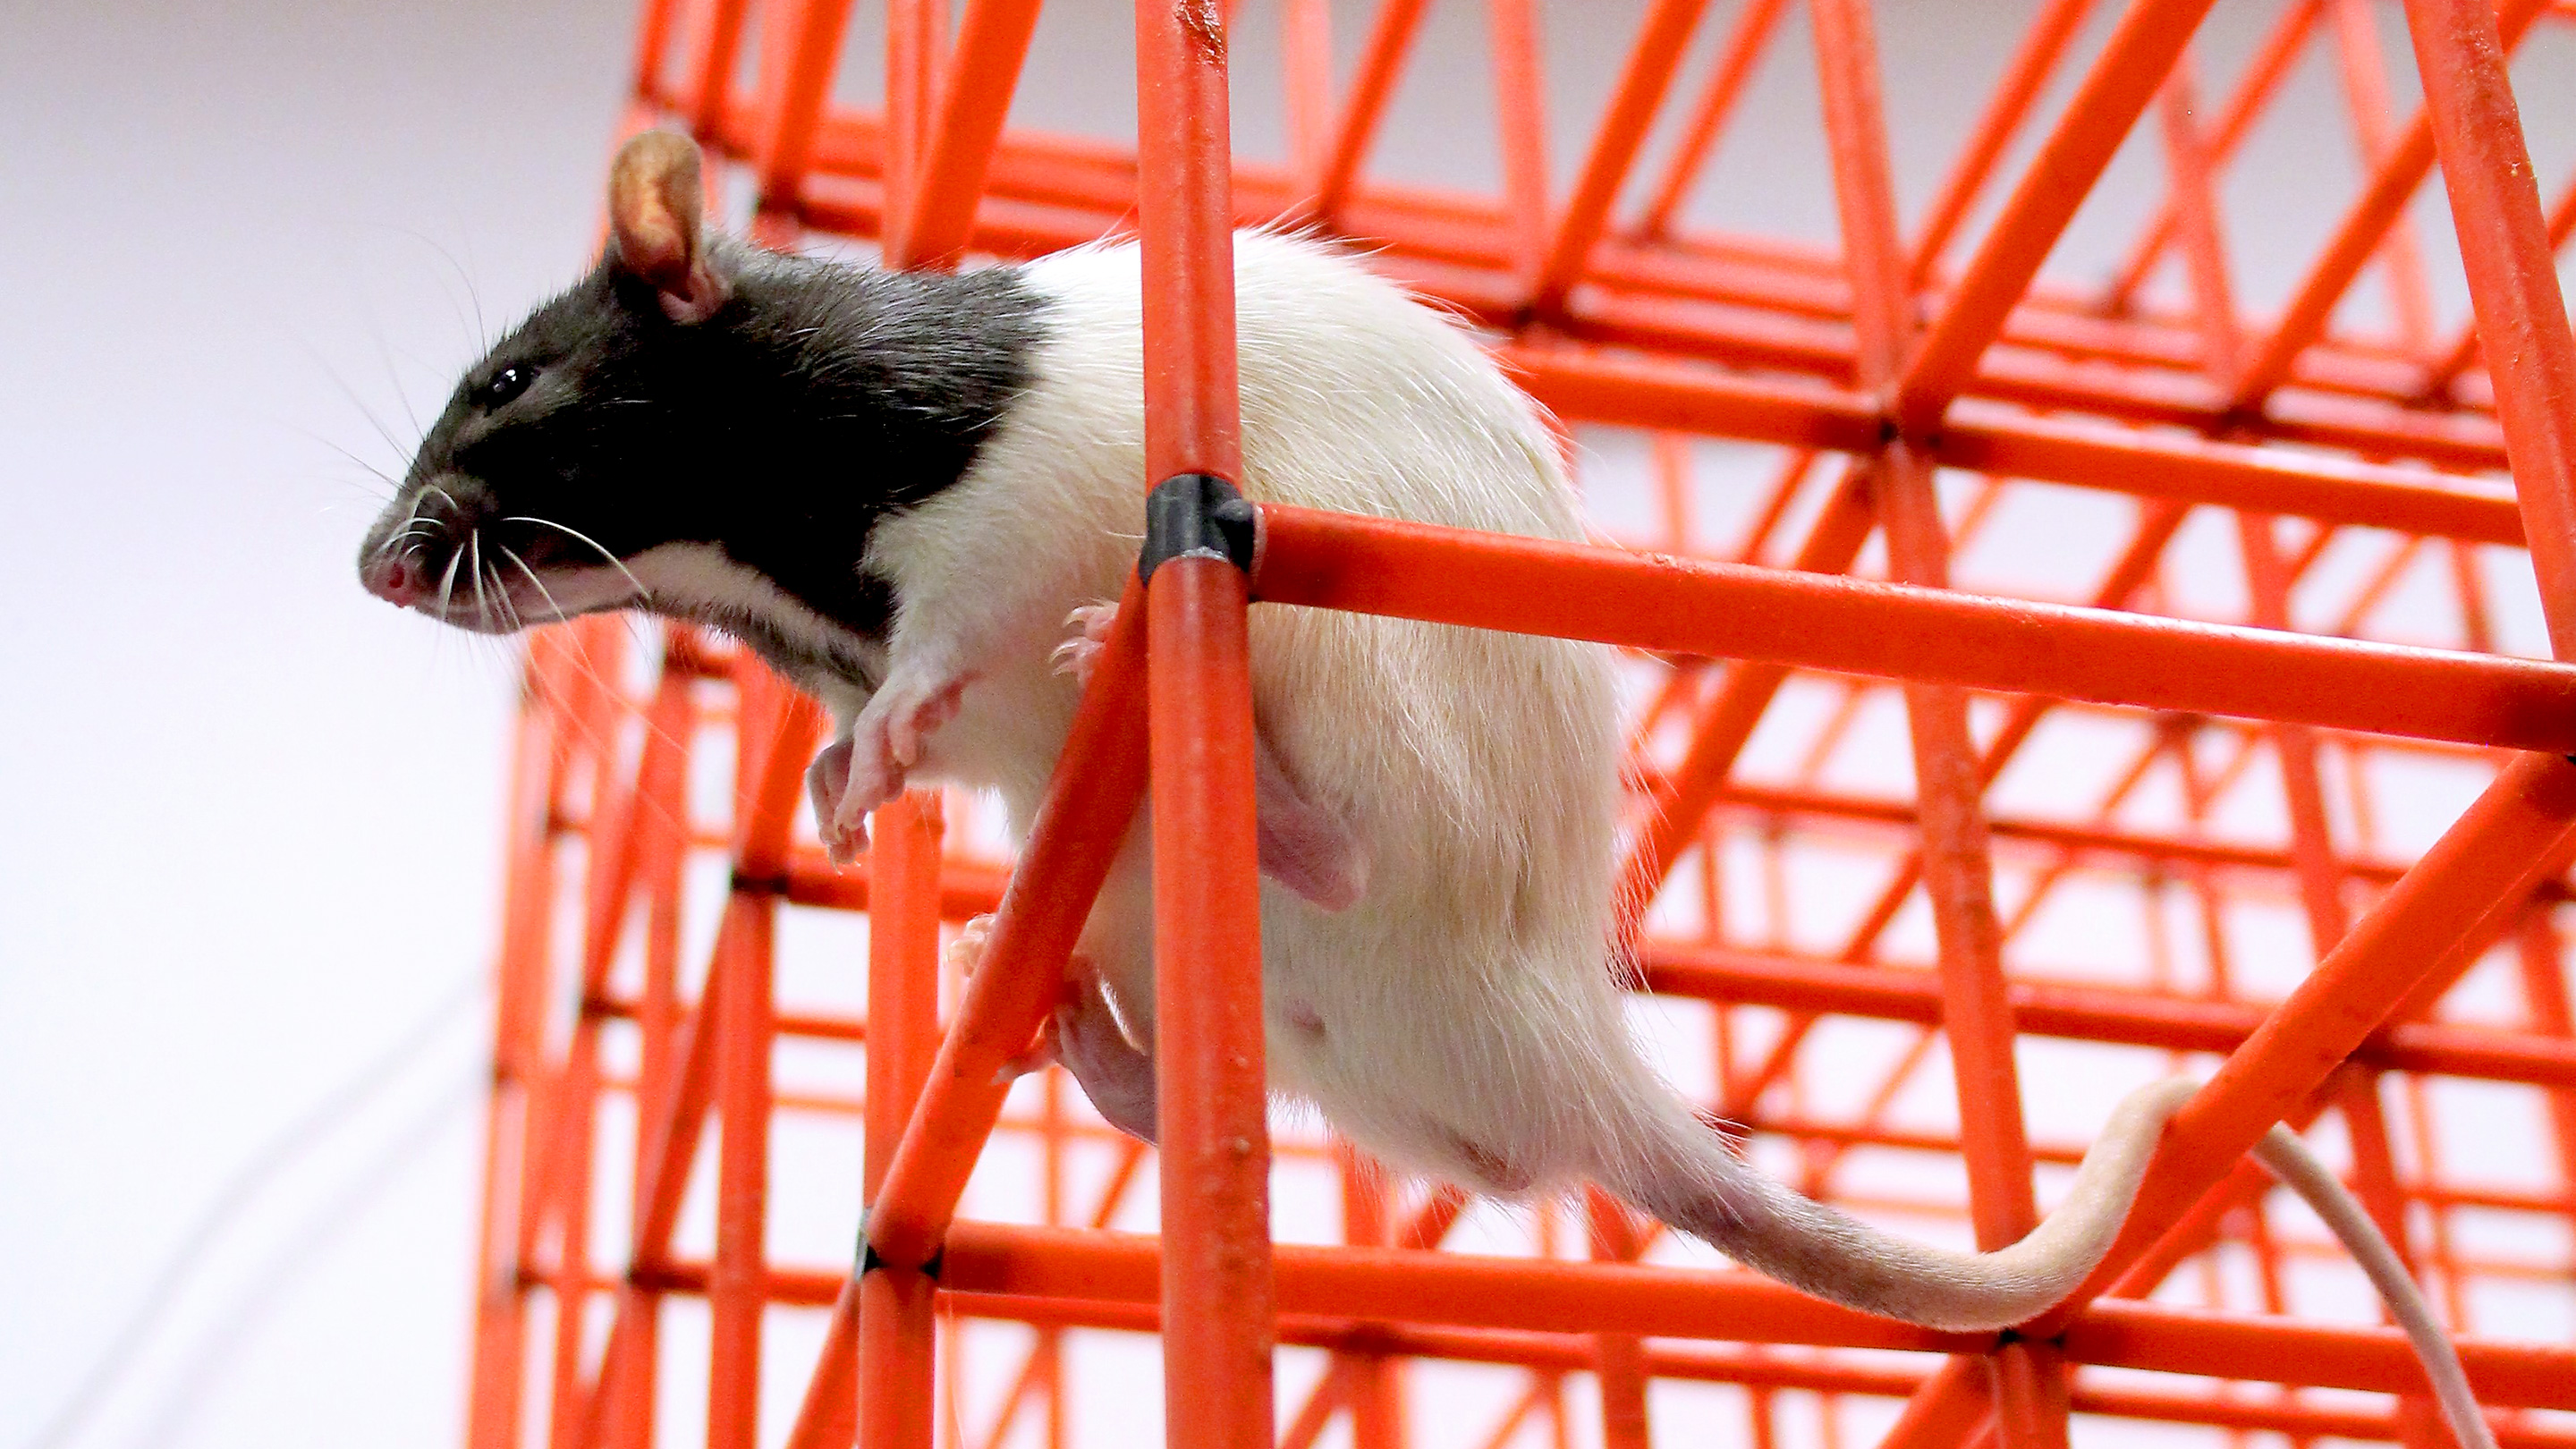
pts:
pixel 1083 1036
pixel 1303 846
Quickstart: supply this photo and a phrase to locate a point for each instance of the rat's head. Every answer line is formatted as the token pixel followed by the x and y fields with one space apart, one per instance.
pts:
pixel 581 439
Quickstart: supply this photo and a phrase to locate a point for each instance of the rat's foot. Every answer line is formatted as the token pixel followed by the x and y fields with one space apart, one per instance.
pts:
pixel 883 745
pixel 1082 1035
pixel 966 955
pixel 1115 1073
pixel 1076 656
pixel 1304 847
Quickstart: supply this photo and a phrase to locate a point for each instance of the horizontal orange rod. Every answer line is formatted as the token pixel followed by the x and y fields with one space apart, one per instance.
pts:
pixel 2085 1013
pixel 1586 1297
pixel 1652 601
pixel 1582 384
pixel 1569 1352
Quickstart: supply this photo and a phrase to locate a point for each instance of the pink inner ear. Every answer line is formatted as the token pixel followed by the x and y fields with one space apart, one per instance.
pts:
pixel 653 209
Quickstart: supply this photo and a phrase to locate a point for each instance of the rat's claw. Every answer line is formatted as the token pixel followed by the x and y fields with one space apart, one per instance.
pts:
pixel 827 785
pixel 1076 656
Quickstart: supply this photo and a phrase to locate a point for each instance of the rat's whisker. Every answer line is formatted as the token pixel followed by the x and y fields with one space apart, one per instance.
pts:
pixel 447 582
pixel 614 562
pixel 482 606
pixel 443 493
pixel 542 591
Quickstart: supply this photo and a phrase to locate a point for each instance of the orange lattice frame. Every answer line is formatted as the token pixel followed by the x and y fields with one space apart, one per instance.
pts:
pixel 1863 372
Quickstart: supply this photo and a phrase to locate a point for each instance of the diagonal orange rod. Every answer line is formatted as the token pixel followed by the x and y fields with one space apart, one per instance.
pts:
pixel 2123 79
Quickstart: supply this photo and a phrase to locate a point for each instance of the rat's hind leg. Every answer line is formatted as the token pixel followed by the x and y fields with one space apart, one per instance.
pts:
pixel 1083 1036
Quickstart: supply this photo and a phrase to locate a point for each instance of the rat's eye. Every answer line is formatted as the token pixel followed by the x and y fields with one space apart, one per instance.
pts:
pixel 506 384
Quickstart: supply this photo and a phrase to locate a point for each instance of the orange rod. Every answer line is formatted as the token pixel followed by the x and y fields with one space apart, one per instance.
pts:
pixel 1663 38
pixel 2513 280
pixel 2123 79
pixel 1099 780
pixel 983 70
pixel 1577 1297
pixel 1371 85
pixel 2043 44
pixel 1895 631
pixel 804 37
pixel 735 1291
pixel 1213 1095
pixel 711 84
pixel 1745 42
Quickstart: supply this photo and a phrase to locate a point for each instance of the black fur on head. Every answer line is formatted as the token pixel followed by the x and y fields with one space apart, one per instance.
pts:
pixel 773 407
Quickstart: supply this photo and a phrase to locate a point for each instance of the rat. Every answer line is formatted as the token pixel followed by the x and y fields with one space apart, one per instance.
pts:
pixel 908 492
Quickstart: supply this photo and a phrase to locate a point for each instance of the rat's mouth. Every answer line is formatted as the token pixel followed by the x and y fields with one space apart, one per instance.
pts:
pixel 477 580
pixel 495 602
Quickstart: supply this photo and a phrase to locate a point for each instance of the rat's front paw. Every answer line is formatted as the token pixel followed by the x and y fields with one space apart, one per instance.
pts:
pixel 871 764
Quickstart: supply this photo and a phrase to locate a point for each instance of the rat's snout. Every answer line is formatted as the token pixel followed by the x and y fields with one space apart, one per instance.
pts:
pixel 395 576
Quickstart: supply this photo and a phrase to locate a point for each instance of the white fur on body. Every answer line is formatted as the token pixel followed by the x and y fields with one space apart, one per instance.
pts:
pixel 1461 1018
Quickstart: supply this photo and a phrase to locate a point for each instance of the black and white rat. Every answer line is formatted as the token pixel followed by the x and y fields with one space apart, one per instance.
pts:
pixel 896 487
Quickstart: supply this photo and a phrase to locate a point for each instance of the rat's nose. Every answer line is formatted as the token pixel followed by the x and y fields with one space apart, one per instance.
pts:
pixel 396 578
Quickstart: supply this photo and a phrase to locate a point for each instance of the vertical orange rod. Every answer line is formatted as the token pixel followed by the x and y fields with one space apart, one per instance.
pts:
pixel 1520 118
pixel 2544 987
pixel 1218 1319
pixel 1662 41
pixel 2303 790
pixel 777 728
pixel 2365 83
pixel 1306 65
pixel 2123 79
pixel 895 1329
pixel 983 72
pixel 653 45
pixel 500 1307
pixel 2374 1180
pixel 2513 281
pixel 1618 1359
pixel 805 38
pixel 2043 44
pixel 1371 85
pixel 711 88
pixel 1957 874
pixel 1377 1392
pixel 737 1286
pixel 1744 46
pixel 2195 197
pixel 2028 1378
pixel 623 1416
pixel 911 84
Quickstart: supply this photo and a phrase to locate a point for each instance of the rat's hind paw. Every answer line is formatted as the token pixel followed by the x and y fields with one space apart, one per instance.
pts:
pixel 1076 656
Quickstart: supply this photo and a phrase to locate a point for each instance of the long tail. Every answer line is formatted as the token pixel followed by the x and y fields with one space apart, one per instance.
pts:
pixel 2288 1159
pixel 1693 1181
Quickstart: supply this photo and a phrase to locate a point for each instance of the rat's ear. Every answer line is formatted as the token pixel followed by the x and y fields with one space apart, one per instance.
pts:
pixel 657 228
